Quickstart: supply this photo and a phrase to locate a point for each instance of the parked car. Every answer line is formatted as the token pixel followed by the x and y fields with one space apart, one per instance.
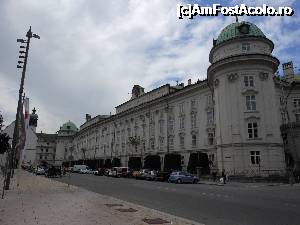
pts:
pixel 77 168
pixel 107 172
pixel 53 171
pixel 69 169
pixel 136 174
pixel 100 172
pixel 40 171
pixel 86 171
pixel 123 172
pixel 151 175
pixel 162 176
pixel 143 174
pixel 182 177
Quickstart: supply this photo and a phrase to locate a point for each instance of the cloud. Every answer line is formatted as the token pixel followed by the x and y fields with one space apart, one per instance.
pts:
pixel 91 53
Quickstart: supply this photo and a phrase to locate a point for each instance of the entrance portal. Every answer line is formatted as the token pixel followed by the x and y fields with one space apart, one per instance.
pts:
pixel 152 162
pixel 135 163
pixel 172 162
pixel 198 159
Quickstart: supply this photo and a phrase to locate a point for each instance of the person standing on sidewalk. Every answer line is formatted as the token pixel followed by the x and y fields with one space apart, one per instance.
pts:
pixel 224 176
pixel 291 177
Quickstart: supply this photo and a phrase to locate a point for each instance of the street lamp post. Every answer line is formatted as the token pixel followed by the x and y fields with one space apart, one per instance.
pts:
pixel 13 152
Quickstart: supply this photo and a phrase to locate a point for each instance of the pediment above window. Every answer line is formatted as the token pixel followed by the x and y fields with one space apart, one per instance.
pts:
pixel 252 117
pixel 194 131
pixel 249 91
pixel 181 134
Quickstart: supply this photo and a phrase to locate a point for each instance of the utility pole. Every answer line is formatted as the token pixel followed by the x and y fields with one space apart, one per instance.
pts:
pixel 11 162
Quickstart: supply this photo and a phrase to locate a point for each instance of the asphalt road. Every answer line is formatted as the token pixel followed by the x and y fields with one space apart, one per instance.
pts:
pixel 232 204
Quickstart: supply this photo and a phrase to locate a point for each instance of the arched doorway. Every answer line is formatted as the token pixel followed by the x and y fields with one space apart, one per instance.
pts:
pixel 152 162
pixel 135 163
pixel 116 162
pixel 107 163
pixel 198 159
pixel 172 162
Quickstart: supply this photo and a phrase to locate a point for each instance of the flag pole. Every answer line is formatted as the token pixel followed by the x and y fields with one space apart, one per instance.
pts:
pixel 29 35
pixel 23 145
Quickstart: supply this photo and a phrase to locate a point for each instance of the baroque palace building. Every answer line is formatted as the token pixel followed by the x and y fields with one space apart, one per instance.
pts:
pixel 243 118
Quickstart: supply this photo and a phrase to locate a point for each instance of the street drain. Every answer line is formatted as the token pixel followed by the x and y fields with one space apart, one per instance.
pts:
pixel 112 205
pixel 155 221
pixel 127 210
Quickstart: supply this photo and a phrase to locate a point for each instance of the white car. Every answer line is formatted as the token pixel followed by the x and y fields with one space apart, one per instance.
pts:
pixel 86 171
pixel 40 171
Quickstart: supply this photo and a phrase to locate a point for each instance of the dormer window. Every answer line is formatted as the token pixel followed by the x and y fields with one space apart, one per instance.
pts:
pixel 244 28
pixel 245 47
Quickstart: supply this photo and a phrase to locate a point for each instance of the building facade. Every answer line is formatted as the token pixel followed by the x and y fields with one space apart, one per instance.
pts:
pixel 231 121
pixel 29 151
pixel 46 148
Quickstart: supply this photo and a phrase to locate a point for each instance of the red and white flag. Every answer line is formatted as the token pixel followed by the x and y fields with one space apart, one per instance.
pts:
pixel 26 117
pixel 24 124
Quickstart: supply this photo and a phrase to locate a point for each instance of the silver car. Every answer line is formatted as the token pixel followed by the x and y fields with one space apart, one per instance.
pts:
pixel 182 177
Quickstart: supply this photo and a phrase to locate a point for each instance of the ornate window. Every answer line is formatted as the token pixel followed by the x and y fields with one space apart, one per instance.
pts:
pixel 171 126
pixel 252 130
pixel 209 99
pixel 161 143
pixel 245 47
pixel 210 138
pixel 152 145
pixel 181 108
pixel 297 116
pixel 181 141
pixel 193 120
pixel 193 103
pixel 171 142
pixel 210 117
pixel 194 140
pixel 249 81
pixel 181 122
pixel 250 102
pixel 255 157
pixel 161 126
pixel 152 129
pixel 296 102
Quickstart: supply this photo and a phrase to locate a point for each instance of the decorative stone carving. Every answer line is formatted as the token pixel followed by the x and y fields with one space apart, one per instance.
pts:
pixel 263 76
pixel 142 117
pixel 232 77
pixel 217 82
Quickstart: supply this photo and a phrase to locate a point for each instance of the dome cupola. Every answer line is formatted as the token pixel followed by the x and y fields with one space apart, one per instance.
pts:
pixel 238 30
pixel 68 126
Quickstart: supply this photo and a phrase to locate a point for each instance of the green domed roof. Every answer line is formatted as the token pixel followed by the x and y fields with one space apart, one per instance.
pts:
pixel 239 29
pixel 68 126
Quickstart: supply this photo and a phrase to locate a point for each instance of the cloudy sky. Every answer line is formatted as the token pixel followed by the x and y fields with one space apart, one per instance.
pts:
pixel 92 52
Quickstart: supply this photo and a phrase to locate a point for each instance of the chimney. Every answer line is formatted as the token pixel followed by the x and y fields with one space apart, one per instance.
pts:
pixel 88 117
pixel 288 70
pixel 189 81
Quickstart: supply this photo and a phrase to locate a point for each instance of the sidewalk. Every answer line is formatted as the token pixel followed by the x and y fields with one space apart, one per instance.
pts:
pixel 43 201
pixel 245 184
